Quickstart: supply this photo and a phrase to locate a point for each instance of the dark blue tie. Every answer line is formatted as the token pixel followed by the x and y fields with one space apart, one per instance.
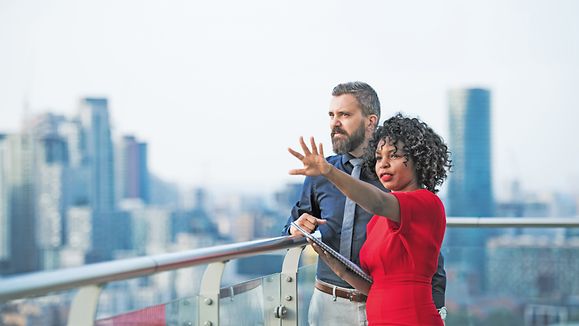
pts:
pixel 349 214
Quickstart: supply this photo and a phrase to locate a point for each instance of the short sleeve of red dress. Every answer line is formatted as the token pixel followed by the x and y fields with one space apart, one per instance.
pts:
pixel 422 226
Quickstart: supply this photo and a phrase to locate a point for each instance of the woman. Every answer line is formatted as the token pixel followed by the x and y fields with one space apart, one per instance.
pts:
pixel 404 236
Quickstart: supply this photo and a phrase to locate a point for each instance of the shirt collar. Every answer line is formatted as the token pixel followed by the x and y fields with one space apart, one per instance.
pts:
pixel 347 157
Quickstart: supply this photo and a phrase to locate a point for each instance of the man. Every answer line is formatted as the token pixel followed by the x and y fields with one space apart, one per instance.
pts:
pixel 354 114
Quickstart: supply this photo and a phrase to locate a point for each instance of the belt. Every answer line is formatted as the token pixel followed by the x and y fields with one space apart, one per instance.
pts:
pixel 337 291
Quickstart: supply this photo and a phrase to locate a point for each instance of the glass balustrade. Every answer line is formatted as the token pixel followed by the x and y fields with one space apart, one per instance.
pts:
pixel 512 276
pixel 51 309
pixel 495 276
pixel 306 278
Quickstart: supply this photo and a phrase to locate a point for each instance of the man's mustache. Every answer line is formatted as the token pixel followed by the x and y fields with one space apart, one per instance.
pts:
pixel 338 130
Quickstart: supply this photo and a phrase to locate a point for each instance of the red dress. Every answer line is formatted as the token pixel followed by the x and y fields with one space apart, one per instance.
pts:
pixel 402 258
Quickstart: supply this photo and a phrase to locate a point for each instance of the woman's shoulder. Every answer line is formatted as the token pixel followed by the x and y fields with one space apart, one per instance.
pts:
pixel 418 194
pixel 418 198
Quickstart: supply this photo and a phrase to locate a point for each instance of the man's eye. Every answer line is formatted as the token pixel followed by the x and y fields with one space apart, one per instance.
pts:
pixel 378 158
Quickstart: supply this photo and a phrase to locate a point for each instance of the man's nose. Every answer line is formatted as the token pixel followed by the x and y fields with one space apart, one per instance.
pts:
pixel 335 122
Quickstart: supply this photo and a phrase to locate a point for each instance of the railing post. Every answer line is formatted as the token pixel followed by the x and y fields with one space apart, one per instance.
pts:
pixel 209 295
pixel 288 307
pixel 84 306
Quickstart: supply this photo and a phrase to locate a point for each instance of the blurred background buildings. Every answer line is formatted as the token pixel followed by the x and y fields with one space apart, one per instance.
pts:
pixel 72 193
pixel 76 188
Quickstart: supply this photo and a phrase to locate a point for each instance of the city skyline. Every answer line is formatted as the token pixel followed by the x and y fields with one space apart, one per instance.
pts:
pixel 251 79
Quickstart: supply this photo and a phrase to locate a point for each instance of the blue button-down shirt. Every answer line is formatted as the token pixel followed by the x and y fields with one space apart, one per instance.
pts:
pixel 320 198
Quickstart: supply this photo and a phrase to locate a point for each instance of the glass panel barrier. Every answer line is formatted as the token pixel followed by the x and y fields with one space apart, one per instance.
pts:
pixel 506 276
pixel 151 300
pixel 182 312
pixel 150 316
pixel 250 303
pixel 495 276
pixel 46 310
pixel 306 279
pixel 178 312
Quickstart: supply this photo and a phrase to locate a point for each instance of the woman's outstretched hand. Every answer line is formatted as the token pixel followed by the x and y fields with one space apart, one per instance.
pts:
pixel 314 162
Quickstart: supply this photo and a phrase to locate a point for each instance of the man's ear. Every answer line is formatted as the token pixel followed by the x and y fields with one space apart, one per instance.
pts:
pixel 372 122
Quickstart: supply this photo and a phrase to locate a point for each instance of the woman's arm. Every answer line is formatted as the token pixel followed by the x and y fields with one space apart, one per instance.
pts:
pixel 364 194
pixel 340 269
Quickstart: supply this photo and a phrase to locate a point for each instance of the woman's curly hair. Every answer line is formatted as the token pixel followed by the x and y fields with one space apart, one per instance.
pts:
pixel 426 148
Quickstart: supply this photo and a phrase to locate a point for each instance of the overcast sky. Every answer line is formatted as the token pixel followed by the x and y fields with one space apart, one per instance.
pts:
pixel 220 89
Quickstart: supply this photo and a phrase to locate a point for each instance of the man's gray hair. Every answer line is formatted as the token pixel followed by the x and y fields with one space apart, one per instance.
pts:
pixel 364 94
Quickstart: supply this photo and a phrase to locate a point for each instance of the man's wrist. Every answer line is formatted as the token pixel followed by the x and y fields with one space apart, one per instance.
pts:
pixel 442 312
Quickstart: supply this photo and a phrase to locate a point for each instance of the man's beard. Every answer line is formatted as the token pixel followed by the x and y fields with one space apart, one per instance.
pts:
pixel 343 146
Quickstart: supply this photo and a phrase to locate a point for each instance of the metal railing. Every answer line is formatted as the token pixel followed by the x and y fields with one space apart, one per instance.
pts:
pixel 40 283
pixel 526 222
pixel 91 278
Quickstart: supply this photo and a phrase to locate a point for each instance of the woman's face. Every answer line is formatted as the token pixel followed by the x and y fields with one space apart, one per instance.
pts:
pixel 395 172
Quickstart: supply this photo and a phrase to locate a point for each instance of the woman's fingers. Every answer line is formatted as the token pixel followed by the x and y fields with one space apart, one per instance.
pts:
pixel 309 158
pixel 297 172
pixel 299 157
pixel 318 249
pixel 314 148
pixel 296 154
pixel 314 246
pixel 304 147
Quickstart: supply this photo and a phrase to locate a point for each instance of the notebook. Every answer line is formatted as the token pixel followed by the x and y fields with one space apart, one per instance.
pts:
pixel 349 264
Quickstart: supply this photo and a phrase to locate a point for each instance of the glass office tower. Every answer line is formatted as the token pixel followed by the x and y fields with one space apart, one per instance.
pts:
pixel 470 192
pixel 98 160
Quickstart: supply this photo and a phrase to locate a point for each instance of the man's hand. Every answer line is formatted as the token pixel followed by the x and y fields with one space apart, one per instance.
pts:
pixel 307 222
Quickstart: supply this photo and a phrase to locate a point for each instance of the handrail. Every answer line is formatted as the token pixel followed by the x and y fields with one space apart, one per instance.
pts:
pixel 41 283
pixel 523 222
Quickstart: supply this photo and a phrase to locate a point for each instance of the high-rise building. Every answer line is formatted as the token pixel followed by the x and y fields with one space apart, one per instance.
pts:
pixel 97 150
pixel 50 195
pixel 4 226
pixel 51 165
pixel 470 190
pixel 98 153
pixel 20 207
pixel 77 180
pixel 132 170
